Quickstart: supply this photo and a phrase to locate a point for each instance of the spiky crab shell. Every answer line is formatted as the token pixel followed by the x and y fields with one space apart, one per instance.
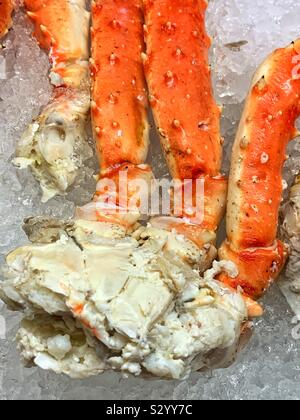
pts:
pixel 178 75
pixel 57 24
pixel 186 114
pixel 119 107
pixel 258 267
pixel 255 186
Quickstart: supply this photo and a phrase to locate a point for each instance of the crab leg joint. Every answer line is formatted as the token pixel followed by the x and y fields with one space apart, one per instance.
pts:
pixel 186 114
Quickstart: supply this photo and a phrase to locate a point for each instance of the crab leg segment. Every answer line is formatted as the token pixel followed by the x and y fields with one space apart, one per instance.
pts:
pixel 119 90
pixel 56 29
pixel 255 190
pixel 119 109
pixel 6 9
pixel 187 116
pixel 55 145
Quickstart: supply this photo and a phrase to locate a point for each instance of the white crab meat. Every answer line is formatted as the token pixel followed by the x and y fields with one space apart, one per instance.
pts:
pixel 205 317
pixel 140 295
pixel 60 345
pixel 55 145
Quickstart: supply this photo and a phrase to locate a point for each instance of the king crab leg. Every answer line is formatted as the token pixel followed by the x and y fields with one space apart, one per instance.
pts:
pixel 6 9
pixel 55 144
pixel 119 106
pixel 186 114
pixel 255 186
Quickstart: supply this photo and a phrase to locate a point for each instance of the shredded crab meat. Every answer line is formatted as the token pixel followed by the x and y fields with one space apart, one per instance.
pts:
pixel 60 345
pixel 135 294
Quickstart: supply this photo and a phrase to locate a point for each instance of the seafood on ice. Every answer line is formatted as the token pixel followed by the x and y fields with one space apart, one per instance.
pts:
pixel 55 145
pixel 102 291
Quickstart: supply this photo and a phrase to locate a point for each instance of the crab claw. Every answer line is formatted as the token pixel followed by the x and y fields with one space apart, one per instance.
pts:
pixel 55 145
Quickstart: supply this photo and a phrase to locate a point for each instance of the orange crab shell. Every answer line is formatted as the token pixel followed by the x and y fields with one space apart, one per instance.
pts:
pixel 258 268
pixel 119 108
pixel 207 201
pixel 187 116
pixel 52 19
pixel 55 30
pixel 6 9
pixel 255 184
pixel 179 79
pixel 267 126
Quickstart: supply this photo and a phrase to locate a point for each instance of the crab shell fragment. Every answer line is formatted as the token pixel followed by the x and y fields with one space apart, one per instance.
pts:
pixel 6 9
pixel 137 301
